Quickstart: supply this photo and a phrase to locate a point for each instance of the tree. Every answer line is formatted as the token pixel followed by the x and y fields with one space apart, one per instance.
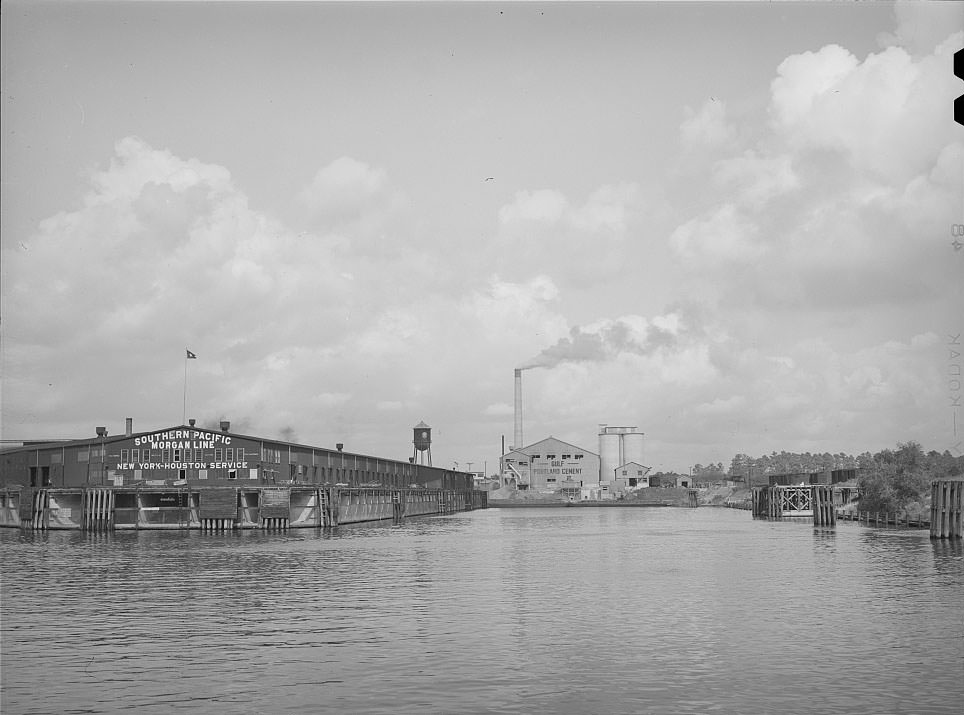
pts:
pixel 896 480
pixel 876 491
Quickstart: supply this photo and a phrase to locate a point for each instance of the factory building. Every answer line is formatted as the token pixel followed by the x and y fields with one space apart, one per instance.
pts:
pixel 198 457
pixel 550 465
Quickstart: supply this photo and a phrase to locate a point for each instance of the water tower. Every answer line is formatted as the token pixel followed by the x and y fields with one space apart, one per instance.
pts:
pixel 423 444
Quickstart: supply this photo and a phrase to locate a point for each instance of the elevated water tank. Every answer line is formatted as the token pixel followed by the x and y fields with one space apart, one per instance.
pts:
pixel 422 437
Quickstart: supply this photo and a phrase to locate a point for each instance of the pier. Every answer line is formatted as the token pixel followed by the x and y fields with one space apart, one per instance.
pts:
pixel 224 508
pixel 779 502
pixel 821 502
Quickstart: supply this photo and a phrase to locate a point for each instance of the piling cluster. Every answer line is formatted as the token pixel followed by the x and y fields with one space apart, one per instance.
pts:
pixel 821 501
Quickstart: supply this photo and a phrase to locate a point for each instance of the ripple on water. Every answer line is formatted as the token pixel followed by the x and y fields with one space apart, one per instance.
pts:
pixel 512 611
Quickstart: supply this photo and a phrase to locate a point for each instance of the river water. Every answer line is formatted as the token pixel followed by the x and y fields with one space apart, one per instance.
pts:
pixel 587 610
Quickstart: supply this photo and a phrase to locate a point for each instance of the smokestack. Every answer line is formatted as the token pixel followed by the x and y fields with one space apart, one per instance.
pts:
pixel 518 444
pixel 129 428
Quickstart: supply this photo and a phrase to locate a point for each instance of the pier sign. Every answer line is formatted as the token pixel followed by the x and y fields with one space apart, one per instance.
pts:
pixel 180 449
pixel 183 439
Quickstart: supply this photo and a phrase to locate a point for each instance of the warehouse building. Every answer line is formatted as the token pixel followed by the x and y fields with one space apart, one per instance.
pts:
pixel 198 457
pixel 550 465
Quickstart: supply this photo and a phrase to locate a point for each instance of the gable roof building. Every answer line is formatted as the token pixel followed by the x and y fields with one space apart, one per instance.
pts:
pixel 631 475
pixel 549 465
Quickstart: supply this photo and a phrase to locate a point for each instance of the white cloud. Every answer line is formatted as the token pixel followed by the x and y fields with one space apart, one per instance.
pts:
pixel 726 235
pixel 840 199
pixel 543 205
pixel 802 80
pixel 579 245
pixel 812 237
pixel 756 180
pixel 707 128
pixel 922 25
pixel 887 114
pixel 165 252
pixel 522 310
pixel 343 189
pixel 609 209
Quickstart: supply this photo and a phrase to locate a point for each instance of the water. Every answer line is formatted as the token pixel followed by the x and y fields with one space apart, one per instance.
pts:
pixel 499 611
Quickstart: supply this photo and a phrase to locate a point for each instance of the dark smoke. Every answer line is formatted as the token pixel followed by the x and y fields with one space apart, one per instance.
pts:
pixel 605 344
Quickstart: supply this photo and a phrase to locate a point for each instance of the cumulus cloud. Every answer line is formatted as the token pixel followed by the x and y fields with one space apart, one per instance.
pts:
pixel 835 215
pixel 523 310
pixel 342 189
pixel 165 252
pixel 811 245
pixel 707 128
pixel 726 235
pixel 358 208
pixel 816 211
pixel 921 25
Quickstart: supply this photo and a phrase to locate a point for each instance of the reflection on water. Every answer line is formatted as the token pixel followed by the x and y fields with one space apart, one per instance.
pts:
pixel 497 611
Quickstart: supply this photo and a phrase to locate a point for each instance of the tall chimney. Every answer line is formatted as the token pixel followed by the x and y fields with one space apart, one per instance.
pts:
pixel 129 428
pixel 518 444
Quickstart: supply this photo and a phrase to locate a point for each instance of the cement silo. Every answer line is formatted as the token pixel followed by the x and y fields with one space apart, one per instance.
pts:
pixel 633 447
pixel 618 446
pixel 609 444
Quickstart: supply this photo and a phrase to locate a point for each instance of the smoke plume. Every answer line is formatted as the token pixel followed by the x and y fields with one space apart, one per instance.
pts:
pixel 606 340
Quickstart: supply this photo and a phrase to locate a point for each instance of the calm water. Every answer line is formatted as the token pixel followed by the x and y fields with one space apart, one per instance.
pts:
pixel 499 611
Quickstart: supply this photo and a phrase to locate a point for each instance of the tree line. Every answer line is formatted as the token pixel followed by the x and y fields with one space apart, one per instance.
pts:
pixel 891 480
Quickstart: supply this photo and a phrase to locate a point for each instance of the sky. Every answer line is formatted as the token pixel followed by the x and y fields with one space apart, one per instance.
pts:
pixel 729 225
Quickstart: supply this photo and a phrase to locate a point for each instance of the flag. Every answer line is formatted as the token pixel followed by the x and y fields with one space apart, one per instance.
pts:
pixel 190 356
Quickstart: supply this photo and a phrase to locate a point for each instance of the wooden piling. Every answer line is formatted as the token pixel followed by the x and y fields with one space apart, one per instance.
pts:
pixel 824 512
pixel 946 503
pixel 775 499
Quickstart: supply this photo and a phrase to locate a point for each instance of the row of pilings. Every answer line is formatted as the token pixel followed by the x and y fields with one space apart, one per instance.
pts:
pixel 820 502
pixel 224 508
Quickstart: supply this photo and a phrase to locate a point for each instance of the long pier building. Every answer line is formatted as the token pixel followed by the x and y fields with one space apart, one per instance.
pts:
pixel 187 476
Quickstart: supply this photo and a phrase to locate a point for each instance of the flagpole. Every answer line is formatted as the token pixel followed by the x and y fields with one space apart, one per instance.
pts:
pixel 184 410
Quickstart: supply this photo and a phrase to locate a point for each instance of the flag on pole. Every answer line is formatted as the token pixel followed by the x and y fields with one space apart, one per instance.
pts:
pixel 190 355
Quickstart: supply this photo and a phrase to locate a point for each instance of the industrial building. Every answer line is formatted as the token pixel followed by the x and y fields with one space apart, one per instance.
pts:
pixel 199 457
pixel 551 465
